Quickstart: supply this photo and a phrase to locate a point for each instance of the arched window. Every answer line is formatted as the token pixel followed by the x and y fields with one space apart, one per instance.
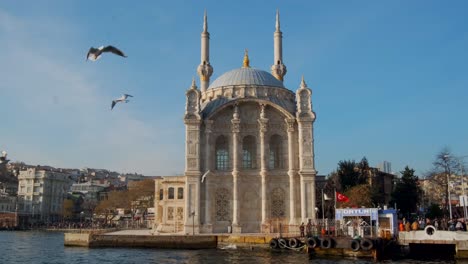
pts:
pixel 222 153
pixel 180 193
pixel 274 161
pixel 248 152
pixel 171 193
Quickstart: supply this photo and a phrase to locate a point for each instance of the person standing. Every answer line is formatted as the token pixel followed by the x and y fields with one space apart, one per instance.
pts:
pixel 301 228
pixel 309 228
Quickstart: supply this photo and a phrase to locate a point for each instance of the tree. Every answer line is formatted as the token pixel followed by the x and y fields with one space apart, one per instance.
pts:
pixel 359 195
pixel 434 211
pixel 444 164
pixel 115 199
pixel 141 195
pixel 407 192
pixel 68 208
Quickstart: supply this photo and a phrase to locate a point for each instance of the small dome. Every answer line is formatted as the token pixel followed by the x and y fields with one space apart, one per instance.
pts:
pixel 246 76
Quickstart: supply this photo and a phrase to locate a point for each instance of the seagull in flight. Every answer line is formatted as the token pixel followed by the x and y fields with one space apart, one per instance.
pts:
pixel 204 175
pixel 122 99
pixel 94 54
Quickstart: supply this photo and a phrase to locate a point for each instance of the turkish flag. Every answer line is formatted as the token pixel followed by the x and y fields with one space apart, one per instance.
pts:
pixel 341 197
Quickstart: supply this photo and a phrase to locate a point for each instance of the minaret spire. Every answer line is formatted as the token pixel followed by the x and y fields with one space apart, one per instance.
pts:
pixel 277 21
pixel 205 70
pixel 278 69
pixel 205 23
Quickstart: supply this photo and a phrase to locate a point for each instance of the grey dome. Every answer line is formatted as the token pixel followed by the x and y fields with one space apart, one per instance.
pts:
pixel 246 76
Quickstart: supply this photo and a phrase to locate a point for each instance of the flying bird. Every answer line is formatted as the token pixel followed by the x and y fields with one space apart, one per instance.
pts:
pixel 94 54
pixel 204 175
pixel 122 99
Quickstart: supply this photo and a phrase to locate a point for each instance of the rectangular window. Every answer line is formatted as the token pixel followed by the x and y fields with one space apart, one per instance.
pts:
pixel 180 193
pixel 171 193
pixel 222 159
pixel 161 194
pixel 246 159
pixel 170 213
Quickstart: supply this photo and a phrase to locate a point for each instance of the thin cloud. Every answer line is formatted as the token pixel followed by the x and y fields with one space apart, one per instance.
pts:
pixel 60 117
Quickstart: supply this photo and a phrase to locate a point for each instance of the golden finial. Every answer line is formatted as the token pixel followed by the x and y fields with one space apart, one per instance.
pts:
pixel 246 59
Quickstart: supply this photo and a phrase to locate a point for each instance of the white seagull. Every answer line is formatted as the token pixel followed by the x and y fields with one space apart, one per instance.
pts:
pixel 94 54
pixel 204 175
pixel 120 100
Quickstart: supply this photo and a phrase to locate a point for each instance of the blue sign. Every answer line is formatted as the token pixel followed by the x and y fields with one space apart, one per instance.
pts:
pixel 371 212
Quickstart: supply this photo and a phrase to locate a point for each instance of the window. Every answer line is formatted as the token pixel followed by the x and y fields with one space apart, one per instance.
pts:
pixel 171 193
pixel 170 213
pixel 161 194
pixel 248 152
pixel 222 154
pixel 180 193
pixel 274 161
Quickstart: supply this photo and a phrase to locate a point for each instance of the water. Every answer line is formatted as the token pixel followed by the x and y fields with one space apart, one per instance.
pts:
pixel 47 247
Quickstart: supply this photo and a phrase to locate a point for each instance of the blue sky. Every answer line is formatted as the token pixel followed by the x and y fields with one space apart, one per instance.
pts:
pixel 389 78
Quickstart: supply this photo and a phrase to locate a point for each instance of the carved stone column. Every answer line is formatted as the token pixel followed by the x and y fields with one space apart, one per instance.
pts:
pixel 305 118
pixel 192 176
pixel 263 123
pixel 207 180
pixel 236 228
pixel 291 172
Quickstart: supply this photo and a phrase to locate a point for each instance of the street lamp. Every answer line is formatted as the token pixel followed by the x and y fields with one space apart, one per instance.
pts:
pixel 460 163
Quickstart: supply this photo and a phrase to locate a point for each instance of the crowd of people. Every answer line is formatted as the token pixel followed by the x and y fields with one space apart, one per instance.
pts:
pixel 439 224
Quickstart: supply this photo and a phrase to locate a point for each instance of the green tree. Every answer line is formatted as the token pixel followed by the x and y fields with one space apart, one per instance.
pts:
pixel 359 195
pixel 434 211
pixel 407 192
pixel 350 173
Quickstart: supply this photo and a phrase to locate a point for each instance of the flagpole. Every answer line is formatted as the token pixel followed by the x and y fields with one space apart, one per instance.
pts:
pixel 323 213
pixel 335 201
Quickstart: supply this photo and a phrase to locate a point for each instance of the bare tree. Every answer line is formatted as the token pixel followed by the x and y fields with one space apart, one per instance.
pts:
pixel 444 165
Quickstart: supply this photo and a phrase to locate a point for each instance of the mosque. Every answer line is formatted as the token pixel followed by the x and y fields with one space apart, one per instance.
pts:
pixel 249 153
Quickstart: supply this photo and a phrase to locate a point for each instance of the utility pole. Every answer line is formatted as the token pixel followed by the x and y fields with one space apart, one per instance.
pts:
pixel 462 176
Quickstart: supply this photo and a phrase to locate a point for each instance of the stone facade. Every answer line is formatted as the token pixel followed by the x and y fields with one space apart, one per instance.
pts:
pixel 249 150
pixel 41 193
pixel 169 205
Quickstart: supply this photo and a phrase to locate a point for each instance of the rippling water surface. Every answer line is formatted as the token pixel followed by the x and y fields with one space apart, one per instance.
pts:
pixel 47 247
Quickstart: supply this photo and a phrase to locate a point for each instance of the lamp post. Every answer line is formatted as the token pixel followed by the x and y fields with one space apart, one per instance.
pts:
pixel 462 176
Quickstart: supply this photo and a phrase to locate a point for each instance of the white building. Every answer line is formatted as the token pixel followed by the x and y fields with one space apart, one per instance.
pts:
pixel 249 149
pixel 41 193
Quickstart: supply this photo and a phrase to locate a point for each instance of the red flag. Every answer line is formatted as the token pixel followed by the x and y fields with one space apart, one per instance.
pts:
pixel 341 197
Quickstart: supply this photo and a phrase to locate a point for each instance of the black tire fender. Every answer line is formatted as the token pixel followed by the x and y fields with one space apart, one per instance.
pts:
pixel 355 245
pixel 326 242
pixel 282 243
pixel 293 242
pixel 367 244
pixel 312 242
pixel 274 243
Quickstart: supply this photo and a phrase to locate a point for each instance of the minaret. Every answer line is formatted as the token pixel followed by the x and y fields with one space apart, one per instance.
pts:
pixel 278 69
pixel 204 69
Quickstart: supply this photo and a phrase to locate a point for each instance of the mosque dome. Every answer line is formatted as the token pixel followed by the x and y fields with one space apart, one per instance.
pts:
pixel 246 76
